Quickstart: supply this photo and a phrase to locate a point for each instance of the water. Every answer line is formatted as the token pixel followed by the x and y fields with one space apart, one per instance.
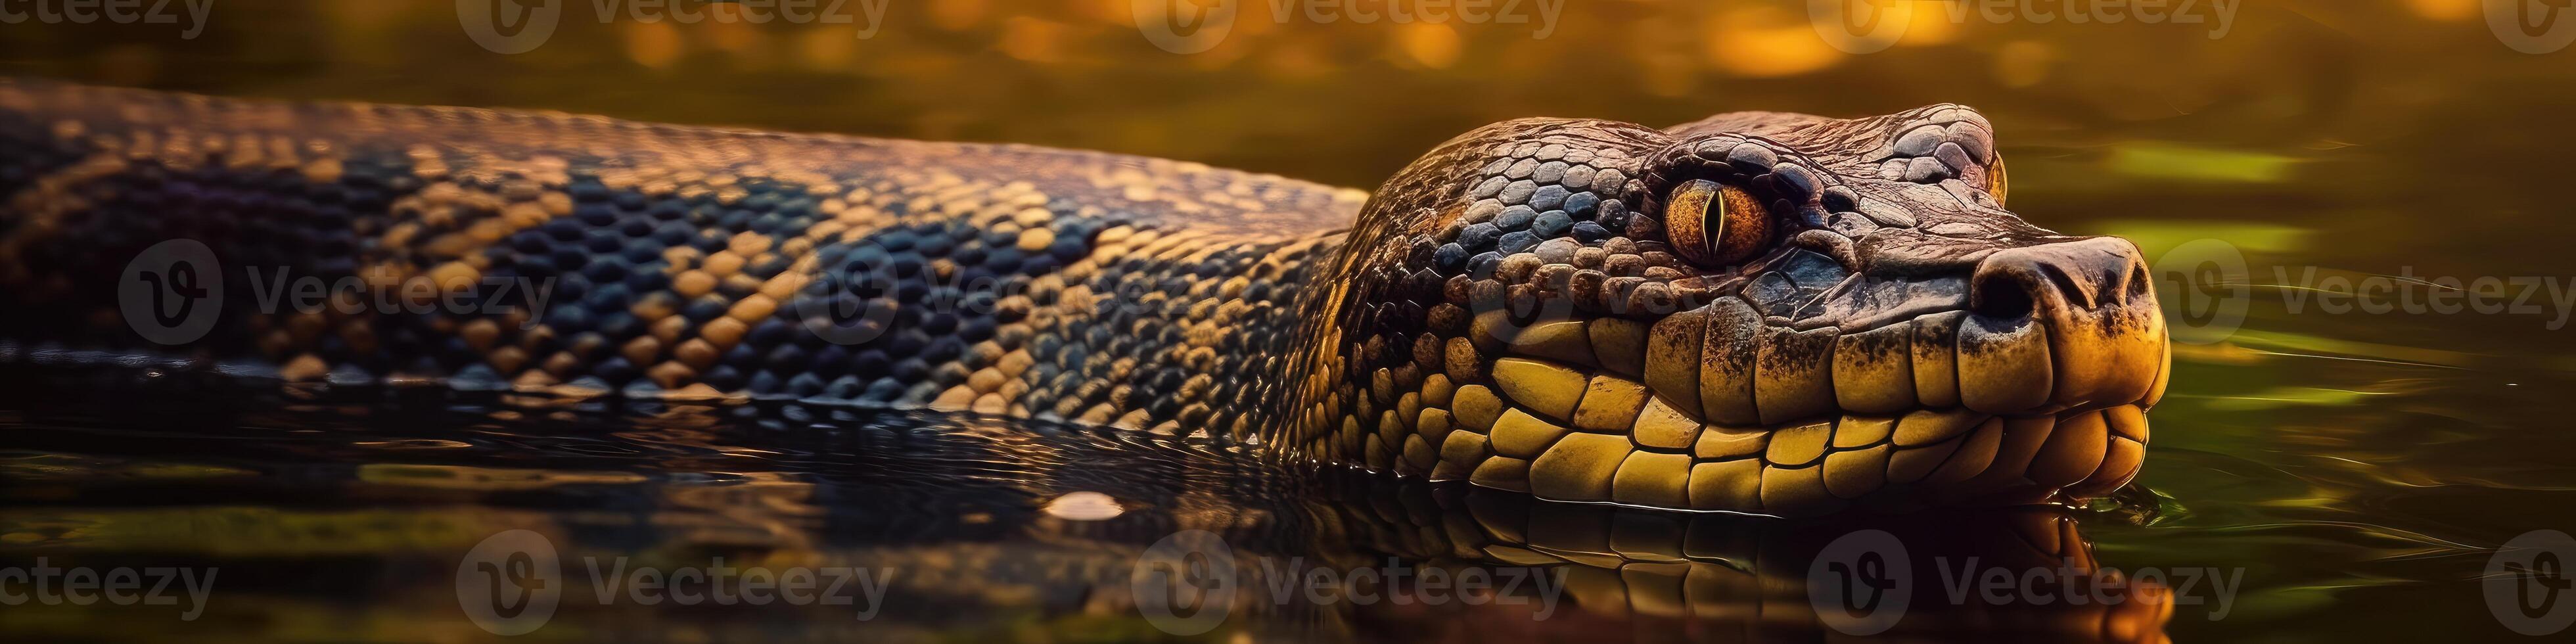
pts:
pixel 2355 470
pixel 348 514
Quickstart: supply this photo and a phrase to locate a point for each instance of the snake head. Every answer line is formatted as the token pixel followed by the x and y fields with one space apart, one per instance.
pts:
pixel 1770 313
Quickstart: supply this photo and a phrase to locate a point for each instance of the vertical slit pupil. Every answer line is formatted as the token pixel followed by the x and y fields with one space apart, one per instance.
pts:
pixel 1713 222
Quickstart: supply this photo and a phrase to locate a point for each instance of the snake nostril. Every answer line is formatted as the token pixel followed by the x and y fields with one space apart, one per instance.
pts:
pixel 2000 296
pixel 2141 284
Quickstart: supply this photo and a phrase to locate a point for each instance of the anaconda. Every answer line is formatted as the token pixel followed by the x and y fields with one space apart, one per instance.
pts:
pixel 1756 312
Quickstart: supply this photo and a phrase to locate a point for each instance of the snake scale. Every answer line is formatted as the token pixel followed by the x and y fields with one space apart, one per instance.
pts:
pixel 1757 312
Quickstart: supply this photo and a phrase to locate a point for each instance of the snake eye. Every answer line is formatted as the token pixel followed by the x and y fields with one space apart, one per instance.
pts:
pixel 1995 183
pixel 1713 224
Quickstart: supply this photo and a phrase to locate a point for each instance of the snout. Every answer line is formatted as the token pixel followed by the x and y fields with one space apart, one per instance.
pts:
pixel 2088 302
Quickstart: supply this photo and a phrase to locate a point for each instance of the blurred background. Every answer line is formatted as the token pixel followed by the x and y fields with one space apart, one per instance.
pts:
pixel 2360 466
pixel 2412 112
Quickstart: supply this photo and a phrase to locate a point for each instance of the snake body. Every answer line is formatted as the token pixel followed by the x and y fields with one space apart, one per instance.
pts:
pixel 1757 312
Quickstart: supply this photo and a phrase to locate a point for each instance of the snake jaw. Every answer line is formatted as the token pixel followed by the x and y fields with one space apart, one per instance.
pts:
pixel 1899 344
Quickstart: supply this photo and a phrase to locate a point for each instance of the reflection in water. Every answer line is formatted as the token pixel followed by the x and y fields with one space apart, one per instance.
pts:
pixel 347 515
